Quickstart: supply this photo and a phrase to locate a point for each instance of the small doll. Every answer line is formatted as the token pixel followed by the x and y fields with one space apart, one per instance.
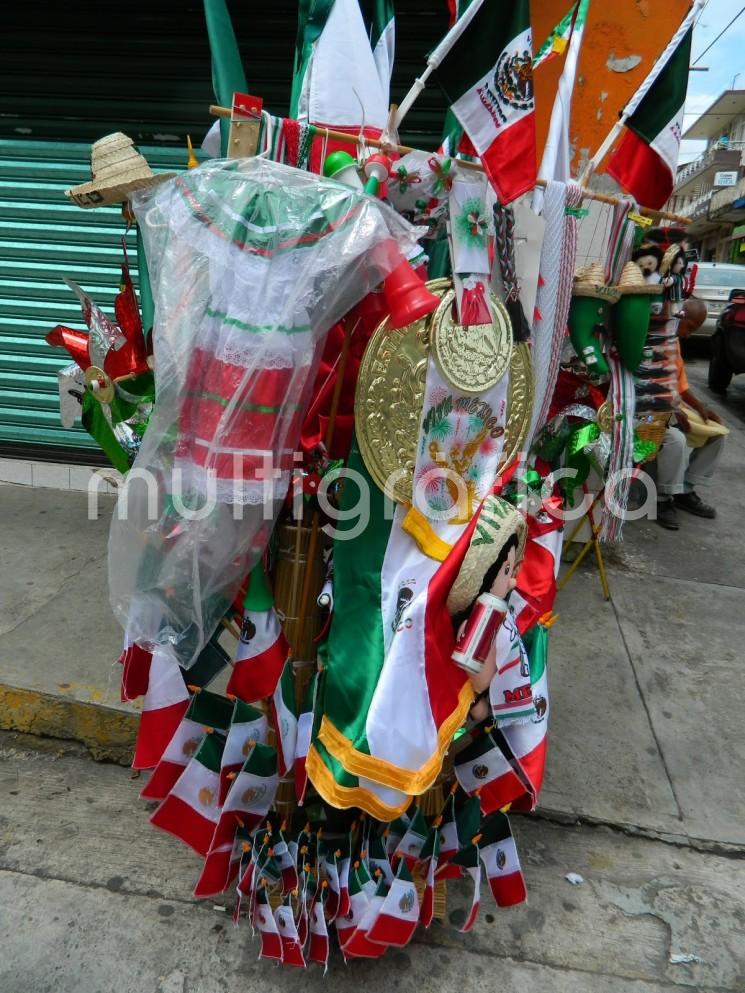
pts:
pixel 488 644
pixel 672 272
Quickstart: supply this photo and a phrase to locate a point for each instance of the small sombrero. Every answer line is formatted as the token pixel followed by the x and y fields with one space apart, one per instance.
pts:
pixel 497 522
pixel 632 281
pixel 117 169
pixel 589 281
pixel 669 257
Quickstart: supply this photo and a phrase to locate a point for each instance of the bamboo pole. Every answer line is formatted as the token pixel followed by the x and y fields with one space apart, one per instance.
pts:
pixel 350 139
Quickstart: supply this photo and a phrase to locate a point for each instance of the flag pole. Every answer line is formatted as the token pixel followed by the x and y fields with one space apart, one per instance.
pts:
pixel 435 58
pixel 639 95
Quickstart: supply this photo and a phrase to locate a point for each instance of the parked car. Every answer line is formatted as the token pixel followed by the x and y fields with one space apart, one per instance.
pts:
pixel 714 280
pixel 728 344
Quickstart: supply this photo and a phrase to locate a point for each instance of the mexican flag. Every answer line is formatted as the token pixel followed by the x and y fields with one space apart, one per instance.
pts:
pixel 359 944
pixel 135 662
pixel 191 810
pixel 304 732
pixel 378 860
pixel 469 862
pixel 430 856
pixel 499 855
pixel 251 794
pixel 284 719
pixel 410 846
pixel 485 67
pixel 285 856
pixel 263 649
pixel 399 914
pixel 482 767
pixel 558 39
pixel 206 710
pixel 535 592
pixel 461 833
pixel 358 901
pixel 248 725
pixel 383 41
pixel 318 949
pixel 166 701
pixel 525 744
pixel 223 864
pixel 336 80
pixel 292 951
pixel 646 160
pixel 264 921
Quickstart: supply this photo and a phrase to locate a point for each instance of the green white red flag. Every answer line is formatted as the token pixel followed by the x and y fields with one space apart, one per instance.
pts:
pixel 206 710
pixel 265 923
pixel 304 732
pixel 483 769
pixel 262 649
pixel 557 40
pixel 501 861
pixel 284 719
pixel 247 726
pixel 318 948
pixel 166 701
pixel 192 809
pixel 646 160
pixel 383 41
pixel 399 913
pixel 346 924
pixel 292 951
pixel 485 67
pixel 358 945
pixel 469 862
pixel 410 846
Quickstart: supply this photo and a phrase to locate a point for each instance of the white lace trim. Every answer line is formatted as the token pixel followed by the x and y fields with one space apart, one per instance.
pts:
pixel 202 482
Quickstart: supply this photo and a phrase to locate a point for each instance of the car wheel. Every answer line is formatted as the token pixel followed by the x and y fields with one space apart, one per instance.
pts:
pixel 720 373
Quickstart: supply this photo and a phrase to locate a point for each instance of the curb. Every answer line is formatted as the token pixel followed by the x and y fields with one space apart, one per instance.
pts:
pixel 108 734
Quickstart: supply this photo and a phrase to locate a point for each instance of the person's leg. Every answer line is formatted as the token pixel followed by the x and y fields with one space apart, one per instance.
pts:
pixel 672 461
pixel 701 468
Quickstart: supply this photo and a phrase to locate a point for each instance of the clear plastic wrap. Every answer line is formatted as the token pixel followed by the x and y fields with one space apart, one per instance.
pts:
pixel 251 262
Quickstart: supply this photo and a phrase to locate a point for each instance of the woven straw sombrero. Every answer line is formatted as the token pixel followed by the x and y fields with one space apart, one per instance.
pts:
pixel 669 257
pixel 589 281
pixel 117 169
pixel 498 521
pixel 632 281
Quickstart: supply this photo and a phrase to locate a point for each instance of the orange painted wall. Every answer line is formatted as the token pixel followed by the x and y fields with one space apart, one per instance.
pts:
pixel 615 30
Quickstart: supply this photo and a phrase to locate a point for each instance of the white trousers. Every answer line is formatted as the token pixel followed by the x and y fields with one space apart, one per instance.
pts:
pixel 680 468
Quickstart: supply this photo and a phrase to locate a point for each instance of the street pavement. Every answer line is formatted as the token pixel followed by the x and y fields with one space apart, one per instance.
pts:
pixel 644 795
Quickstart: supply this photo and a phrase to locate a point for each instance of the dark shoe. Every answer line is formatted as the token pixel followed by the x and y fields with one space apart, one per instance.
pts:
pixel 693 504
pixel 667 515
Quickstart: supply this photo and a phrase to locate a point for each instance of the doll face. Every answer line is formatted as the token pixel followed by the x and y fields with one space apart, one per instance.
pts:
pixel 678 265
pixel 647 263
pixel 506 579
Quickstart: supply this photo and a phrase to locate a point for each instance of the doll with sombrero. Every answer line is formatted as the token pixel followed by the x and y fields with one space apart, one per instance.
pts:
pixel 488 644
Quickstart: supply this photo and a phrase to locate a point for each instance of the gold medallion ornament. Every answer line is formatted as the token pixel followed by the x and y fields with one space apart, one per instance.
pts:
pixel 390 396
pixel 604 417
pixel 472 359
pixel 99 383
pixel 520 398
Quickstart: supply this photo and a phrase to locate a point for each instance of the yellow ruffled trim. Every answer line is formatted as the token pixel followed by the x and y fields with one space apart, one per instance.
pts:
pixel 386 773
pixel 418 527
pixel 345 797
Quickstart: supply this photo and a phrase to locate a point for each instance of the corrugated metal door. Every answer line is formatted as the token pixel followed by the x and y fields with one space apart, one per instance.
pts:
pixel 70 73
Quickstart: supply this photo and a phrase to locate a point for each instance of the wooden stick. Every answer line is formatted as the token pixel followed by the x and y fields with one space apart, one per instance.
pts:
pixel 350 139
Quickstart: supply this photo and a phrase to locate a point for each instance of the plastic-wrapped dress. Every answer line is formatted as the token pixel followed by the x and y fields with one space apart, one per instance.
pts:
pixel 251 263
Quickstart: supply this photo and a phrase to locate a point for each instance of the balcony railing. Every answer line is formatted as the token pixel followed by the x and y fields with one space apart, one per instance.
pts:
pixel 724 158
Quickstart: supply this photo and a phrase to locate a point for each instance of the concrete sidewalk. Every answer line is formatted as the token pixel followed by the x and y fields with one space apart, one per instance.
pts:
pixel 646 690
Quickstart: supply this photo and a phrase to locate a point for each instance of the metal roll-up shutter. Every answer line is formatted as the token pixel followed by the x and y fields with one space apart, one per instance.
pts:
pixel 71 73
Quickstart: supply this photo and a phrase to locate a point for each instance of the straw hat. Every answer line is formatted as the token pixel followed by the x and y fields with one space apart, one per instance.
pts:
pixel 117 169
pixel 669 258
pixel 498 521
pixel 632 281
pixel 701 431
pixel 589 281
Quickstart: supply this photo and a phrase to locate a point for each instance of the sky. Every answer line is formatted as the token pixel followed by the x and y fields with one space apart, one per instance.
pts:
pixel 725 60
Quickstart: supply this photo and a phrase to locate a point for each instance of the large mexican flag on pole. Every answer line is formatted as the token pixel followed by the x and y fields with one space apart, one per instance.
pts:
pixel 485 66
pixel 647 158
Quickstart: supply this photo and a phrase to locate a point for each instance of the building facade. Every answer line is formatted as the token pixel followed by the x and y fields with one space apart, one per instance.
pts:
pixel 710 190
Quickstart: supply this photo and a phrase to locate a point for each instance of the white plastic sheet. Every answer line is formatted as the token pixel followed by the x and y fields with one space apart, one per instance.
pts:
pixel 251 262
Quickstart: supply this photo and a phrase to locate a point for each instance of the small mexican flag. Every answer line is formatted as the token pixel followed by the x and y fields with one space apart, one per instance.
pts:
pixel 248 725
pixel 469 862
pixel 535 592
pixel 399 914
pixel 483 767
pixel 430 855
pixel 166 701
pixel 358 901
pixel 378 859
pixel 263 649
pixel 265 923
pixel 525 744
pixel 383 41
pixel 464 827
pixel 292 951
pixel 206 710
pixel 304 732
pixel 485 66
pixel 412 842
pixel 191 810
pixel 501 861
pixel 284 719
pixel 646 160
pixel 558 40
pixel 359 944
pixel 318 949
